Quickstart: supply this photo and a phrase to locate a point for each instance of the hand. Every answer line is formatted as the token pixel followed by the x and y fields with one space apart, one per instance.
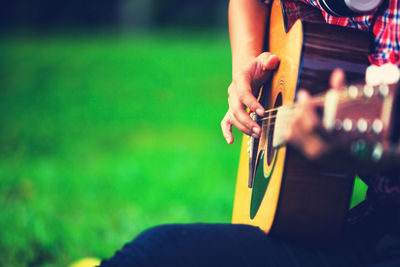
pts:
pixel 241 92
pixel 302 131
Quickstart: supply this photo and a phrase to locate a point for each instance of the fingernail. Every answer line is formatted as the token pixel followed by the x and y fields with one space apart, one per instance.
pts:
pixel 256 130
pixel 260 112
pixel 254 135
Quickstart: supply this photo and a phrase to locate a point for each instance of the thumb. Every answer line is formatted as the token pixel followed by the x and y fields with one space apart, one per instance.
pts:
pixel 268 61
pixel 303 96
pixel 337 79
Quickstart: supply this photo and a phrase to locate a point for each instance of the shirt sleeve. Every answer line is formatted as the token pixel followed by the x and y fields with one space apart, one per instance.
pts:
pixel 386 30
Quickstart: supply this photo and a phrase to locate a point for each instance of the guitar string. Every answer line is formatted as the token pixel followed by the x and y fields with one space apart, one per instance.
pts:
pixel 343 94
pixel 284 117
pixel 290 114
pixel 292 106
pixel 315 99
pixel 284 124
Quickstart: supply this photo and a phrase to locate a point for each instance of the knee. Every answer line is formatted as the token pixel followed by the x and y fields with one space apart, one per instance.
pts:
pixel 147 249
pixel 155 235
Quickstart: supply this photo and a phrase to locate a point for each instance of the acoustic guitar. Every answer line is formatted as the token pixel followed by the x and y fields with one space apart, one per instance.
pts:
pixel 277 188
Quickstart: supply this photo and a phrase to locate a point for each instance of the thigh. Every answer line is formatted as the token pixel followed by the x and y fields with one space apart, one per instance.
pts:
pixel 230 245
pixel 390 263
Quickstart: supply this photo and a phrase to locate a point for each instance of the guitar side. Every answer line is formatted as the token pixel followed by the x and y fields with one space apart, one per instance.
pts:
pixel 300 199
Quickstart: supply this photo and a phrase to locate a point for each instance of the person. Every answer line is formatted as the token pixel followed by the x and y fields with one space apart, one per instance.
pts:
pixel 372 234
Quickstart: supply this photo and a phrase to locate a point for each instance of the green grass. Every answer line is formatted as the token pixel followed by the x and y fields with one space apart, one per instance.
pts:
pixel 102 137
pixel 359 192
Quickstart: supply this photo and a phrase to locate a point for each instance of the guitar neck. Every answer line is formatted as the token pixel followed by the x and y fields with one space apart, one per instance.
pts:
pixel 357 116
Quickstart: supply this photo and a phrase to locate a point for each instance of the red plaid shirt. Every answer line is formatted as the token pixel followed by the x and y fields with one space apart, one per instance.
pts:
pixel 384 24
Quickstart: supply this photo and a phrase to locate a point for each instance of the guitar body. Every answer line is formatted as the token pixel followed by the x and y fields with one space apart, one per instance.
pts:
pixel 278 189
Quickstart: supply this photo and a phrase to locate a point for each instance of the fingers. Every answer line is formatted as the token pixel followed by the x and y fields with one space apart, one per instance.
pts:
pixel 247 80
pixel 311 145
pixel 303 97
pixel 226 127
pixel 301 131
pixel 306 122
pixel 337 79
pixel 241 119
pixel 240 93
pixel 254 105
pixel 239 99
pixel 302 125
pixel 255 132
pixel 315 148
pixel 268 61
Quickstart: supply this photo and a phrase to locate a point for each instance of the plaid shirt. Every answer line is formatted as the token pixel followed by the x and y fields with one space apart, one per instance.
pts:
pixel 384 23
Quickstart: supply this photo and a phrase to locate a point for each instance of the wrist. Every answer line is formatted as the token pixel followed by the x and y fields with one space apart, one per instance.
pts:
pixel 242 64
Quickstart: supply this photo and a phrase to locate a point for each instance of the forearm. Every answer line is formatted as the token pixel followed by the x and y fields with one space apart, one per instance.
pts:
pixel 250 67
pixel 247 19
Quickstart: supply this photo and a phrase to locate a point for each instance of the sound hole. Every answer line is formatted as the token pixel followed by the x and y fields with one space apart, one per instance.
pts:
pixel 270 148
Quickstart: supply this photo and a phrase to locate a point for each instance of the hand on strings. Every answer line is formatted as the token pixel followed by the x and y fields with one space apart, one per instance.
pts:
pixel 245 84
pixel 302 131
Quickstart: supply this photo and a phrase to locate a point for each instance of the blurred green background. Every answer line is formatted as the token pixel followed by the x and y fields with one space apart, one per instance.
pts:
pixel 104 136
pixel 110 115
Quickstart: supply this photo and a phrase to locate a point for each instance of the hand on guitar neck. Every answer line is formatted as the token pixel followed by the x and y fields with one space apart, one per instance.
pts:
pixel 304 129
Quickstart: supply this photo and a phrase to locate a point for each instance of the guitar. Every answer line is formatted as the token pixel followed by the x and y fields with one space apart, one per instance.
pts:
pixel 277 188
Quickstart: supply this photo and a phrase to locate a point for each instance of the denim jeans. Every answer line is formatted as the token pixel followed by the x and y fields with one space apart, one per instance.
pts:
pixel 237 245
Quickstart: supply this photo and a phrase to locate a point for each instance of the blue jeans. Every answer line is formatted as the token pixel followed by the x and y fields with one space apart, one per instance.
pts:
pixel 236 245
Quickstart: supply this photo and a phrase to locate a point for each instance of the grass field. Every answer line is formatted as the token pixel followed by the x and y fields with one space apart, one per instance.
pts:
pixel 103 136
